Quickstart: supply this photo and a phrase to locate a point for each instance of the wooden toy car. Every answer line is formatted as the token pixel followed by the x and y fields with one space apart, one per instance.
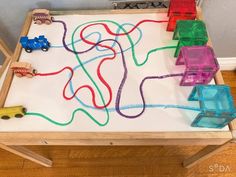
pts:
pixel 21 69
pixel 14 111
pixel 42 16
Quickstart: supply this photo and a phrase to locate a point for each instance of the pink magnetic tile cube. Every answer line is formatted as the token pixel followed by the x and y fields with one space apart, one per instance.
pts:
pixel 201 64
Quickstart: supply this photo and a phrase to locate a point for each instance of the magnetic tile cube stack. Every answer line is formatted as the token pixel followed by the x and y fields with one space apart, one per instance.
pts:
pixel 180 10
pixel 216 104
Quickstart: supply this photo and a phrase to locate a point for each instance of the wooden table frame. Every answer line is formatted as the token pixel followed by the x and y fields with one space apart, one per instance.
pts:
pixel 7 54
pixel 13 142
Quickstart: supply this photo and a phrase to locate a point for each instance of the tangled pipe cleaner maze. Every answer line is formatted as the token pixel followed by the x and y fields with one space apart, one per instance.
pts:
pixel 100 46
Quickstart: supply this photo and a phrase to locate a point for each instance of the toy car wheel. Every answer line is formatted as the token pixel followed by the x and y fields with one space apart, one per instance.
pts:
pixel 38 22
pixel 48 22
pixel 29 75
pixel 19 75
pixel 45 49
pixel 19 115
pixel 28 50
pixel 24 110
pixel 5 117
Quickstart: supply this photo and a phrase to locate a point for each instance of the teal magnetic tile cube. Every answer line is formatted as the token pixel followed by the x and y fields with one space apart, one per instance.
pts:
pixel 216 104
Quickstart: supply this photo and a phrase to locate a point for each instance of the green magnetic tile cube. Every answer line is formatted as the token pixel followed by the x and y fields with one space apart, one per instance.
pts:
pixel 190 33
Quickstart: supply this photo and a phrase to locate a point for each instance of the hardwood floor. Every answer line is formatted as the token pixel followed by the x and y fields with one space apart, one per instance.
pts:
pixel 125 161
pixel 230 79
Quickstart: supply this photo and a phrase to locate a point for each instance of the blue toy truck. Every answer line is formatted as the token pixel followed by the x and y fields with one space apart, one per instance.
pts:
pixel 37 43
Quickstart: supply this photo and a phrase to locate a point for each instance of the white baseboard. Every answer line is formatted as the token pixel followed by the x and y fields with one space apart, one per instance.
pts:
pixel 227 63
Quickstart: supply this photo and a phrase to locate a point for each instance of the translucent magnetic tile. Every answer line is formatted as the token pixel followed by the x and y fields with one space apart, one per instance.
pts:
pixel 202 56
pixel 191 29
pixel 184 6
pixel 213 122
pixel 216 98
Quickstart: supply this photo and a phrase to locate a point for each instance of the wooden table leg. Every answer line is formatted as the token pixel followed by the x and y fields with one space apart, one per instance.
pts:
pixel 205 153
pixel 27 154
pixel 7 53
pixel 5 49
